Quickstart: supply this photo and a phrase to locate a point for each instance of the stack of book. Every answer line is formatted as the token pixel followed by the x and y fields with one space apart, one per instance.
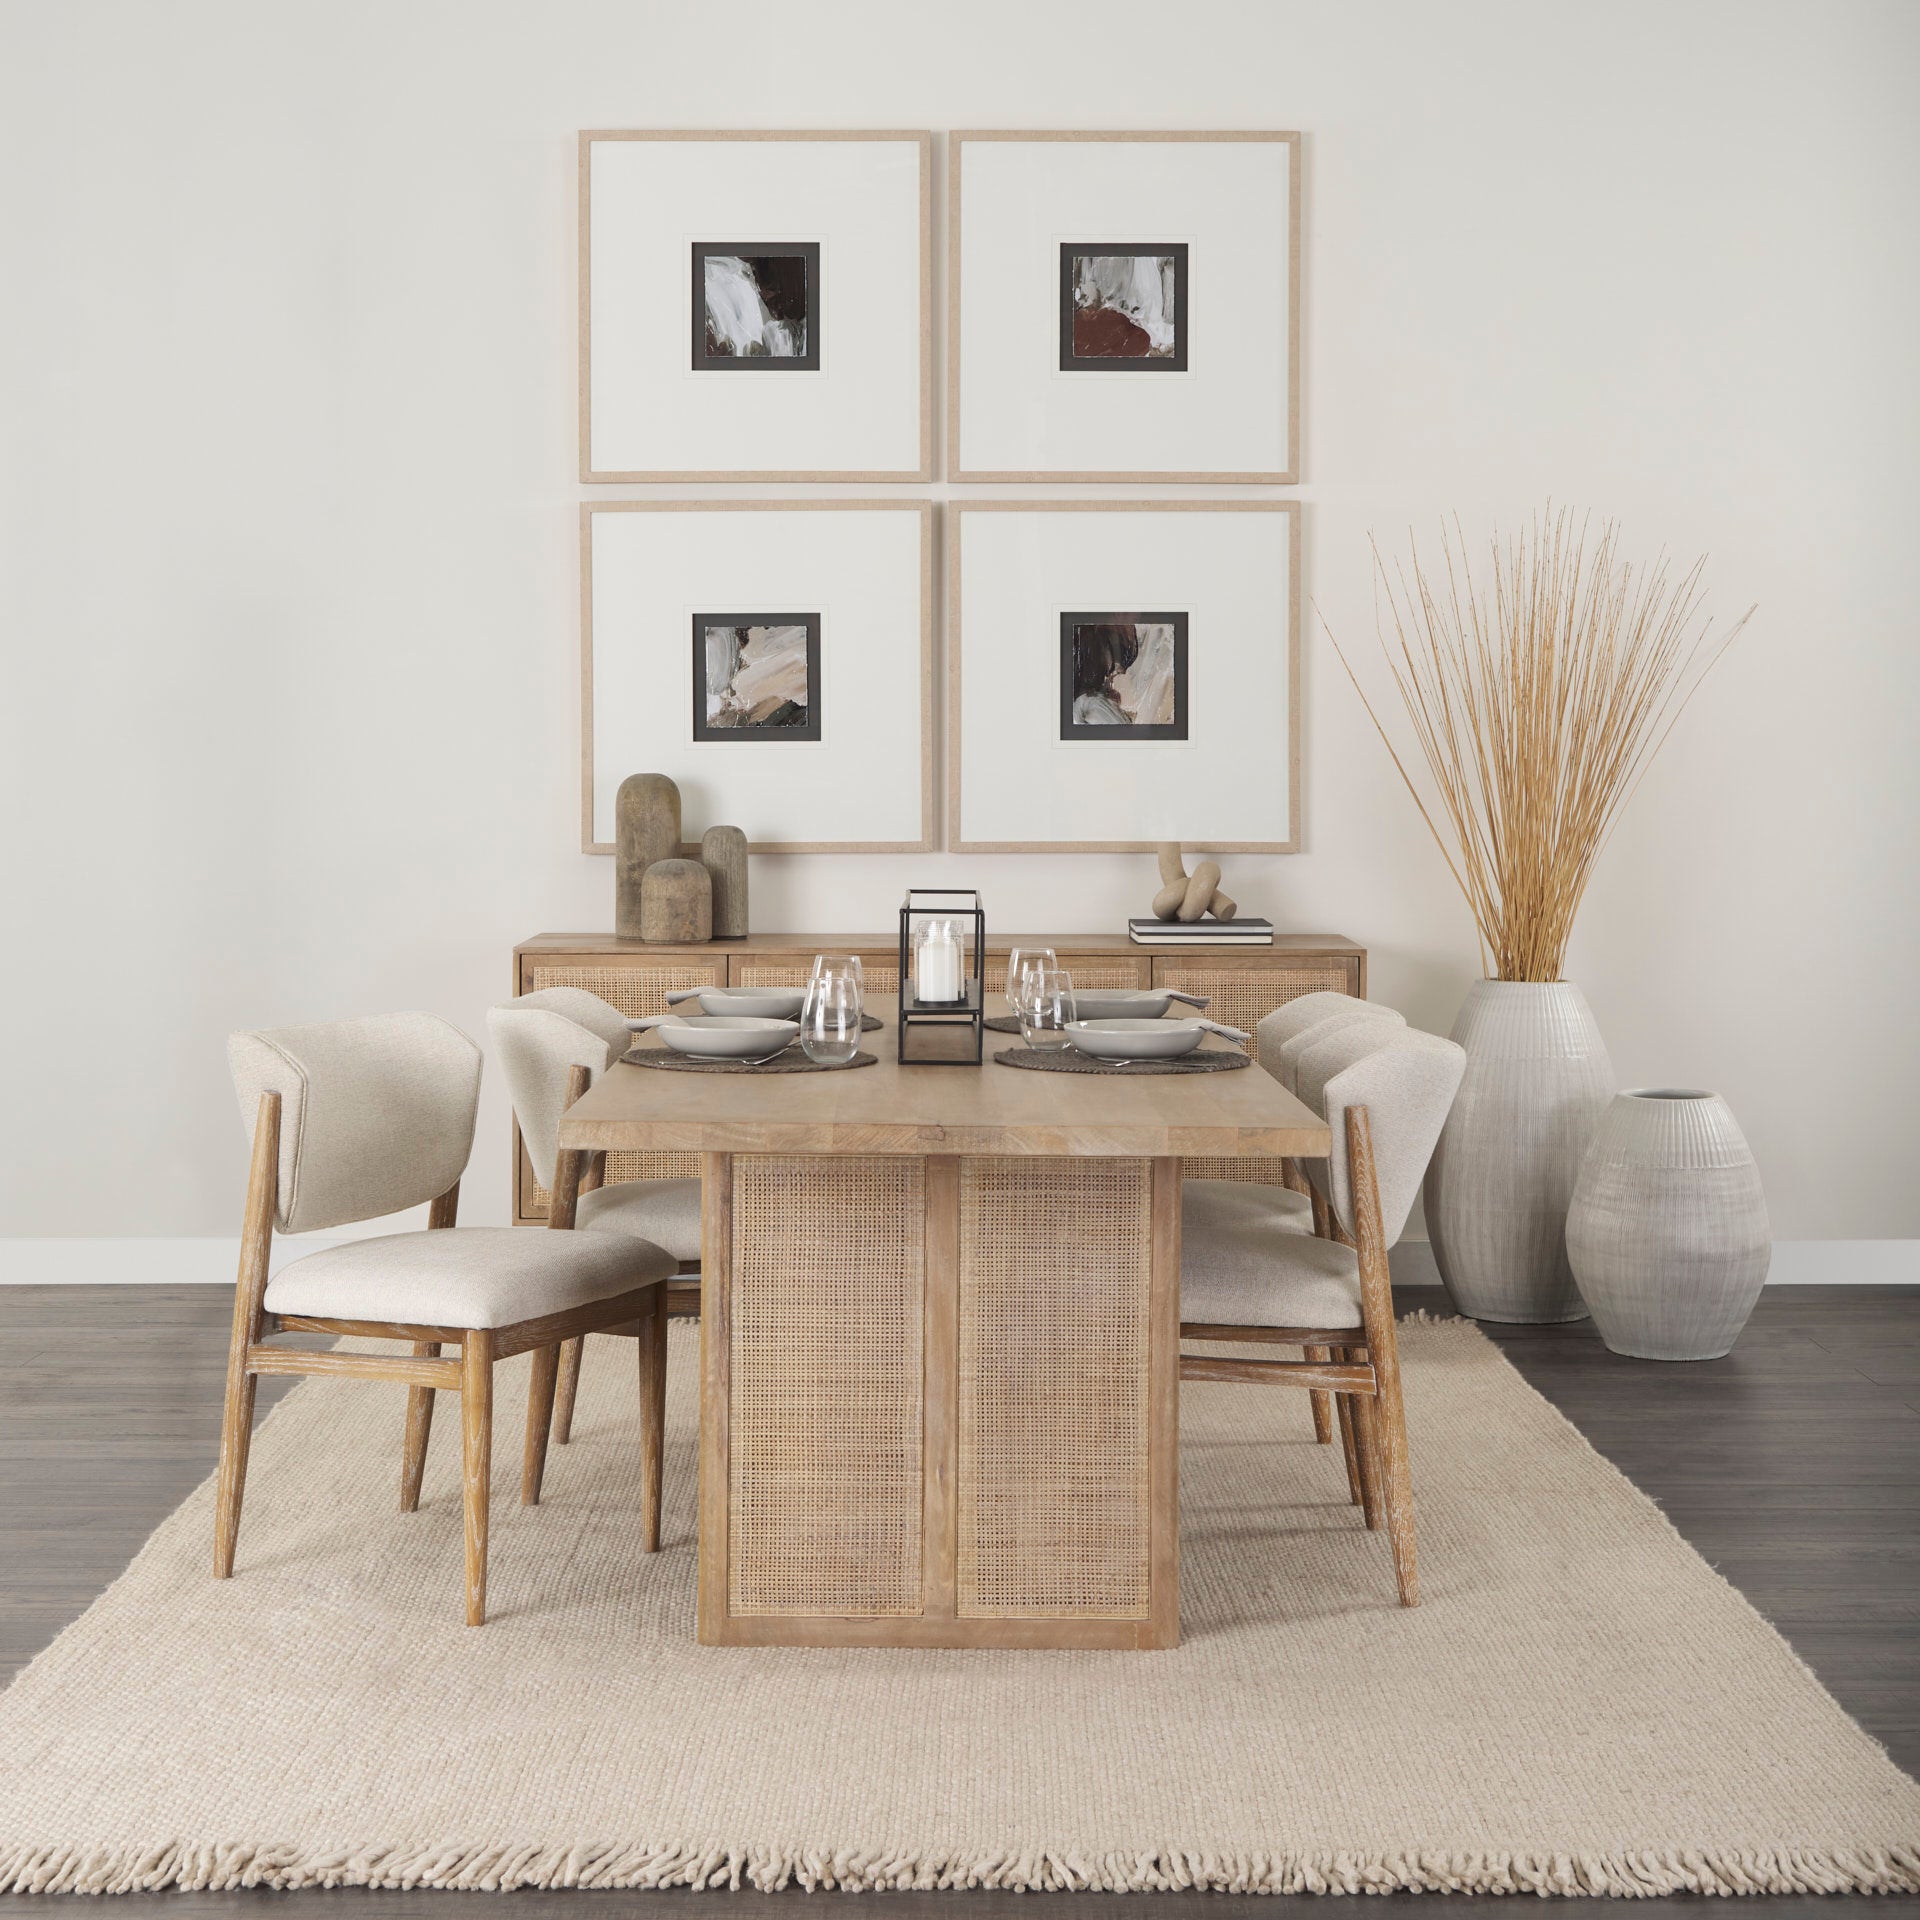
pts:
pixel 1145 931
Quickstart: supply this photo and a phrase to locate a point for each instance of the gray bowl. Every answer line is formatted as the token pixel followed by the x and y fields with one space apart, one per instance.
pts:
pixel 753 1003
pixel 1135 1039
pixel 1120 1003
pixel 726 1037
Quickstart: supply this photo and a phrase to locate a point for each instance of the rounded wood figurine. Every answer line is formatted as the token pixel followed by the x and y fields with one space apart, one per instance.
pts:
pixel 646 829
pixel 723 852
pixel 676 904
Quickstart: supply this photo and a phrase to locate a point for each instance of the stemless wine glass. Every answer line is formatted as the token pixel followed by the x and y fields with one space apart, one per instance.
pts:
pixel 830 1016
pixel 1046 1007
pixel 1020 962
pixel 848 963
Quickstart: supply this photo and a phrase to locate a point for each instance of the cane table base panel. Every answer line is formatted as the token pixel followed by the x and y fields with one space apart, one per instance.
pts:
pixel 940 1403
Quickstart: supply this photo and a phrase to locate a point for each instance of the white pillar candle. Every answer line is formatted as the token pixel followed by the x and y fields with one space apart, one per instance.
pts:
pixel 936 975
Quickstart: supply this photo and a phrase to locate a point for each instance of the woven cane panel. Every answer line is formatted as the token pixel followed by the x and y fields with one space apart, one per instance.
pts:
pixel 1053 1490
pixel 637 992
pixel 1243 997
pixel 1087 972
pixel 876 975
pixel 824 1413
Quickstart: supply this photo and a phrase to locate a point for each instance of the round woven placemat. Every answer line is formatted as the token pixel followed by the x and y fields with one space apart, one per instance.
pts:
pixel 792 1061
pixel 1066 1060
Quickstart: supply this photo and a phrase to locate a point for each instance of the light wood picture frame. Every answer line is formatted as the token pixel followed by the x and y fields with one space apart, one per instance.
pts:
pixel 1240 592
pixel 875 759
pixel 883 341
pixel 1210 415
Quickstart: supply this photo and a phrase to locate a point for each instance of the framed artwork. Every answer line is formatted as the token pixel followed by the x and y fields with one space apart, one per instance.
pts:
pixel 1123 306
pixel 1123 673
pixel 756 306
pixel 755 673
pixel 1123 676
pixel 773 656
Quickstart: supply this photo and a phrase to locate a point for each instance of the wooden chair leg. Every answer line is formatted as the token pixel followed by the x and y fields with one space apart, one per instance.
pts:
pixel 572 1352
pixel 1366 1433
pixel 1322 1402
pixel 533 1457
pixel 1388 1414
pixel 413 1459
pixel 250 1285
pixel 476 1461
pixel 1350 1448
pixel 236 1436
pixel 1396 1478
pixel 653 1417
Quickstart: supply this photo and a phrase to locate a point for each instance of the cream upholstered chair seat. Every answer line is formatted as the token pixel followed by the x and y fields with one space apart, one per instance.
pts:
pixel 476 1277
pixel 1248 1258
pixel 1249 1276
pixel 357 1120
pixel 544 1039
pixel 666 1212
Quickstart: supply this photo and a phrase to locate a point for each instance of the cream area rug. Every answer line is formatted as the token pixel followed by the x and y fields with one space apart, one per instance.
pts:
pixel 1580 1705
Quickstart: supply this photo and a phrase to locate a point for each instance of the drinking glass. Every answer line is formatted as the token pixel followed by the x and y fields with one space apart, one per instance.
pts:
pixel 1020 962
pixel 830 1017
pixel 1046 1007
pixel 848 963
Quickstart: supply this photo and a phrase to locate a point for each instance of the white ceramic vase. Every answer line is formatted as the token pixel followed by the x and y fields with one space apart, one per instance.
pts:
pixel 1496 1193
pixel 1668 1228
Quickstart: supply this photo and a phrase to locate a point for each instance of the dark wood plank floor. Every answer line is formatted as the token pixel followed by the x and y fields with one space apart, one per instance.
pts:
pixel 1793 1466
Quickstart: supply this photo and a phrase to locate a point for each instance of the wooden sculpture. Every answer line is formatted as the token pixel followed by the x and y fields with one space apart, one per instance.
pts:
pixel 1184 898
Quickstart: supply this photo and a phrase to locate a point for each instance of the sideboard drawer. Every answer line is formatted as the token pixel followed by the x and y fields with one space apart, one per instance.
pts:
pixel 1244 988
pixel 879 972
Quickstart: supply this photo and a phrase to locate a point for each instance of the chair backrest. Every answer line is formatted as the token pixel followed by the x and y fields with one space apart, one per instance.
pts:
pixel 1406 1080
pixel 1301 1015
pixel 376 1115
pixel 1355 1012
pixel 539 1038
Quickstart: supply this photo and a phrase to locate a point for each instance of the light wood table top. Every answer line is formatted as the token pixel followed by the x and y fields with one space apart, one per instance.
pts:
pixel 990 1109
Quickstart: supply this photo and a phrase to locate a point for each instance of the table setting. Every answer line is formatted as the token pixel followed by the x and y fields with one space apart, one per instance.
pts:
pixel 1105 1030
pixel 810 1029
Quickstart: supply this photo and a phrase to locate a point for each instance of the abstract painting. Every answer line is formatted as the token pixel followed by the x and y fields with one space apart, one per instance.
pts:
pixel 756 676
pixel 756 305
pixel 1123 676
pixel 1123 308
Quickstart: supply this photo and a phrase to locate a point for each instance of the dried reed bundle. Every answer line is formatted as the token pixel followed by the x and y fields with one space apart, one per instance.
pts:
pixel 1538 700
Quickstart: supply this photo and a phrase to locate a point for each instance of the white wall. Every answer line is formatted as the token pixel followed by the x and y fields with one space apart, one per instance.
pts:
pixel 287 575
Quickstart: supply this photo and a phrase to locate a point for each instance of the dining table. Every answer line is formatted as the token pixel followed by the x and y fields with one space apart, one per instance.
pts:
pixel 940 1337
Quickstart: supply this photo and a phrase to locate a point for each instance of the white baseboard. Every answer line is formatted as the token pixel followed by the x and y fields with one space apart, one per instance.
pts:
pixel 185 1262
pixel 181 1262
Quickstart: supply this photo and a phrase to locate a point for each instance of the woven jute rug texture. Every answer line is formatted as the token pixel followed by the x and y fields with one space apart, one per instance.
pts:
pixel 1580 1706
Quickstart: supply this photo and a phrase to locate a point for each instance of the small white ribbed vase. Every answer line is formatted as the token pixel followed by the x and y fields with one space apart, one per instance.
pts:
pixel 1668 1230
pixel 1537 1080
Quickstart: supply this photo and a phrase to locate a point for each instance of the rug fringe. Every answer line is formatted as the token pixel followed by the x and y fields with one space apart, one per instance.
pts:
pixel 497 1869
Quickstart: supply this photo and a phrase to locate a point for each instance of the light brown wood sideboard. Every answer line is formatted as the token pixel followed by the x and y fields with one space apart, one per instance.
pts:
pixel 1244 983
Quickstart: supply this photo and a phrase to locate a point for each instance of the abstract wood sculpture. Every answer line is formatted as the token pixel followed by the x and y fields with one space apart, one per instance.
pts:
pixel 723 852
pixel 676 904
pixel 1184 898
pixel 646 829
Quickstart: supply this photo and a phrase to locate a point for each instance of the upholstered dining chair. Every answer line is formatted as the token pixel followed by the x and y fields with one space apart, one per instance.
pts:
pixel 358 1119
pixel 1248 1276
pixel 1279 1041
pixel 540 1039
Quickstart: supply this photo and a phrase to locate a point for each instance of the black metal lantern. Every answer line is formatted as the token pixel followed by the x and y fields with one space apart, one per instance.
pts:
pixel 943 956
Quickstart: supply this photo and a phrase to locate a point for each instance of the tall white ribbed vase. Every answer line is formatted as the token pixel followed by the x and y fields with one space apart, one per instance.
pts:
pixel 1537 1081
pixel 1668 1229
